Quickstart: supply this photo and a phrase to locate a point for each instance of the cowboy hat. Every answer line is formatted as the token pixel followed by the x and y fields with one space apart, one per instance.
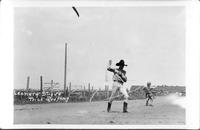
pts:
pixel 121 63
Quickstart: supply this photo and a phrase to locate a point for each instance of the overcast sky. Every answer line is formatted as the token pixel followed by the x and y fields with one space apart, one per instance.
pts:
pixel 151 40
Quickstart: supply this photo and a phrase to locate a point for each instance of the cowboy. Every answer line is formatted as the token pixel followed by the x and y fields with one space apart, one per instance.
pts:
pixel 119 78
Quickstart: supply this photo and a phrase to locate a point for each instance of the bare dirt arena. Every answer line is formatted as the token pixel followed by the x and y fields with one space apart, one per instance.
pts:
pixel 166 110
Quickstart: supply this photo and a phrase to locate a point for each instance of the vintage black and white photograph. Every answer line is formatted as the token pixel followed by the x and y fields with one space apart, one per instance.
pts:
pixel 99 65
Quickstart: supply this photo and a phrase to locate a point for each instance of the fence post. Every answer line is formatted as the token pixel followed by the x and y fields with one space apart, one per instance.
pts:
pixel 70 85
pixel 89 89
pixel 27 85
pixel 66 92
pixel 41 85
pixel 51 83
pixel 69 88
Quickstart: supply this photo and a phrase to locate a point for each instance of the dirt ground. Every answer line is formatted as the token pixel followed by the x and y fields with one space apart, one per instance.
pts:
pixel 167 110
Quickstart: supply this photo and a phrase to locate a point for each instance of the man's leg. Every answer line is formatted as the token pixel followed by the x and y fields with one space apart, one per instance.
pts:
pixel 151 98
pixel 147 101
pixel 125 104
pixel 114 90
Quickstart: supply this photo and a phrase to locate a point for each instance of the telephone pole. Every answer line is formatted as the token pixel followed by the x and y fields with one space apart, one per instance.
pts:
pixel 65 70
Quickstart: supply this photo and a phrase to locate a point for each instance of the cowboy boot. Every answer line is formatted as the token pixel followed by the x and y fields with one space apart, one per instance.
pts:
pixel 109 107
pixel 125 105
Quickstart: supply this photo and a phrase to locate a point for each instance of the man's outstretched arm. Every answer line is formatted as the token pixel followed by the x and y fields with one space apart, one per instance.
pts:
pixel 111 69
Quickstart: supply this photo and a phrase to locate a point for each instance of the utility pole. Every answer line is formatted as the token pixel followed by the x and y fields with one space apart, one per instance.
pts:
pixel 65 70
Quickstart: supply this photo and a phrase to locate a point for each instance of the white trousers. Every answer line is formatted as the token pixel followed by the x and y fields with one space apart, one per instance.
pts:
pixel 118 87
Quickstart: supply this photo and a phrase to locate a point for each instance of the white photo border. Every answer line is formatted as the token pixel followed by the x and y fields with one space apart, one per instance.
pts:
pixel 192 59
